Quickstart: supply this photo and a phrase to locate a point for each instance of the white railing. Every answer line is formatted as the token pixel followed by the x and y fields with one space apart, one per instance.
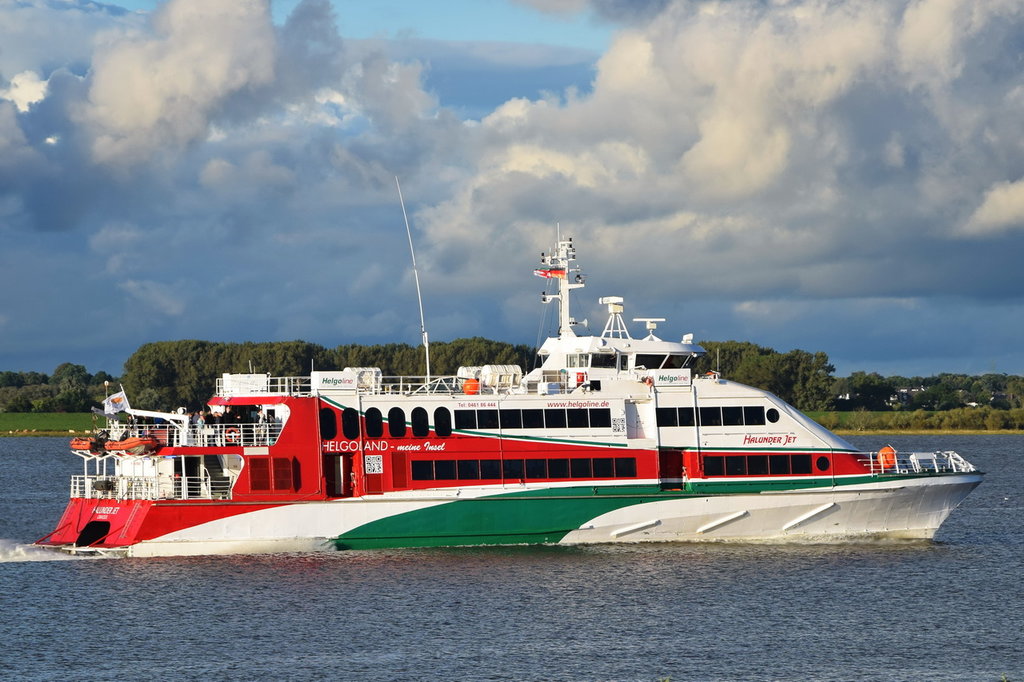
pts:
pixel 274 386
pixel 916 462
pixel 150 487
pixel 244 434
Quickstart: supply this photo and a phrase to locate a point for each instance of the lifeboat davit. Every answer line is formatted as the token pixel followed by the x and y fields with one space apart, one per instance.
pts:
pixel 139 445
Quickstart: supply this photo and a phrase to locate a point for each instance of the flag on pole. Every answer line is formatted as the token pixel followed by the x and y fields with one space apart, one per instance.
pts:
pixel 551 273
pixel 115 403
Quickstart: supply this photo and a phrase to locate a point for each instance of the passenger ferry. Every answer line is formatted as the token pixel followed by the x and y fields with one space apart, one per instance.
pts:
pixel 611 439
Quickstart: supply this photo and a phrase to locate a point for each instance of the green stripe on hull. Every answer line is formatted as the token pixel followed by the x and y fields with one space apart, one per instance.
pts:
pixel 527 517
pixel 547 515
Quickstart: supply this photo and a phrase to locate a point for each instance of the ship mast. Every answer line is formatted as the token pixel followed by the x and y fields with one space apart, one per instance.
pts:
pixel 560 265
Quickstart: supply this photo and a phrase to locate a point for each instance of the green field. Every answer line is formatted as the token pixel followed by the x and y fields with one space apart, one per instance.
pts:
pixel 45 423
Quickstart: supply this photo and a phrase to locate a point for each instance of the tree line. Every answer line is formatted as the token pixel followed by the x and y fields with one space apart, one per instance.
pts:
pixel 169 374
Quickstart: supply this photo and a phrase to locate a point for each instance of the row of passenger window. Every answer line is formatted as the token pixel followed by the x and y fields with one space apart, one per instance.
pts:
pixel 520 469
pixel 761 465
pixel 717 416
pixel 398 427
pixel 551 418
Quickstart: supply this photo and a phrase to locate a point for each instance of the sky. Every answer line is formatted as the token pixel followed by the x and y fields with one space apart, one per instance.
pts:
pixel 829 176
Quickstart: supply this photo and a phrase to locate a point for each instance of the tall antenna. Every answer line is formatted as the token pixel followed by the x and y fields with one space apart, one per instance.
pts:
pixel 416 276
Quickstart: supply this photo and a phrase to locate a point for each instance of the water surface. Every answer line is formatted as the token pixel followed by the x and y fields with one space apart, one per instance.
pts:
pixel 945 610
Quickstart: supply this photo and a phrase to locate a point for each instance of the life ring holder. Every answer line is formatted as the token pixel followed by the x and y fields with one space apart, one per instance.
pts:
pixel 887 457
pixel 231 435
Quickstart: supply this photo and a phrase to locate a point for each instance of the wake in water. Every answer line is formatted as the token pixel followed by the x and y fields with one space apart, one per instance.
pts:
pixel 12 551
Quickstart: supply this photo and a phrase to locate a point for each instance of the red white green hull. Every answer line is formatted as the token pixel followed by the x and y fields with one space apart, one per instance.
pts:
pixel 612 439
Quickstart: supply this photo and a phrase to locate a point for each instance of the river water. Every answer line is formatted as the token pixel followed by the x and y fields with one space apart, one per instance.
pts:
pixel 952 609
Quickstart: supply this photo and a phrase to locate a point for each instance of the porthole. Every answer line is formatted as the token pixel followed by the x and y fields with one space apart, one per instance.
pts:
pixel 772 415
pixel 822 463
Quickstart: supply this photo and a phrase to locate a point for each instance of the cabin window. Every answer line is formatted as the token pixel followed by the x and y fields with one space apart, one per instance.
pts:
pixel 512 468
pixel 667 416
pixel 487 419
pixel 396 422
pixel 536 468
pixel 577 418
pixel 710 416
pixel 558 468
pixel 753 416
pixel 420 423
pixel 779 464
pixel 350 423
pixel 736 465
pixel 772 414
pixel 822 463
pixel 604 360
pixel 511 419
pixel 374 423
pixel 533 419
pixel 801 464
pixel 490 468
pixel 328 424
pixel 422 471
pixel 581 360
pixel 625 467
pixel 465 419
pixel 469 469
pixel 444 470
pixel 442 422
pixel 732 416
pixel 686 417
pixel 714 466
pixel 601 418
pixel 554 418
pixel 579 468
pixel 603 467
pixel 757 465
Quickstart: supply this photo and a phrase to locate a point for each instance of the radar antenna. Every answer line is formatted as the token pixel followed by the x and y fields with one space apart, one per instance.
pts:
pixel 651 323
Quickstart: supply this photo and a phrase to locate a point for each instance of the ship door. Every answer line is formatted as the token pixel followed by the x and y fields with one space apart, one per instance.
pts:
pixel 338 474
pixel 670 468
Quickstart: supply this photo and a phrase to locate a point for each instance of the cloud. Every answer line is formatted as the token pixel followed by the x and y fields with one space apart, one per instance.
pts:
pixel 25 89
pixel 158 92
pixel 1002 209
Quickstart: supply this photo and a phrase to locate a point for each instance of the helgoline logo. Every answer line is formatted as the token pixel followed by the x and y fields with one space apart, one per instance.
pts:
pixel 335 381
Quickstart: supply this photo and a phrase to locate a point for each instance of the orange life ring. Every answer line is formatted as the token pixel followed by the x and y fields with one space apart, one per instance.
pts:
pixel 648 381
pixel 887 457
pixel 231 434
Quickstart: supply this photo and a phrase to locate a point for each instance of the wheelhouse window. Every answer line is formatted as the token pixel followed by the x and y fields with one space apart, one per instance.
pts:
pixel 646 361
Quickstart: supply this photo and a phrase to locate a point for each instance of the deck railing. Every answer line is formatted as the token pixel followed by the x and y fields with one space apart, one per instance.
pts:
pixel 245 434
pixel 150 487
pixel 916 462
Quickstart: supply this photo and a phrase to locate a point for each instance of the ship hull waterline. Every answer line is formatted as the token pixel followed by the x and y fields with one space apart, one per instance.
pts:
pixel 880 509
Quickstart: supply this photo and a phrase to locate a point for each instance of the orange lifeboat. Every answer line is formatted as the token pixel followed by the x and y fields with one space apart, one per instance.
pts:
pixel 86 444
pixel 887 457
pixel 135 446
